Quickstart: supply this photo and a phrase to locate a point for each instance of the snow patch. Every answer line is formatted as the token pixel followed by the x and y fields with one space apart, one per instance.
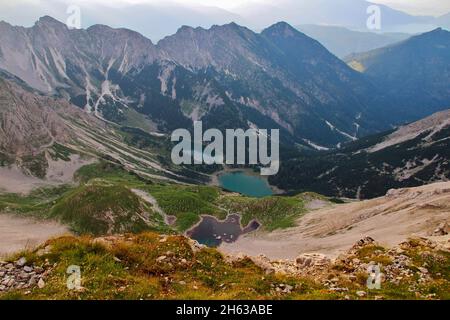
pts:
pixel 333 128
pixel 316 146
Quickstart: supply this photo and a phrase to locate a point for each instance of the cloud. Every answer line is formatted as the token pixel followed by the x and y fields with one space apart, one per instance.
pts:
pixel 154 19
pixel 419 7
pixel 158 18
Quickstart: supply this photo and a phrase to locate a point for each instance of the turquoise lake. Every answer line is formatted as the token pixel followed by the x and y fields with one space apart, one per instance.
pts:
pixel 246 184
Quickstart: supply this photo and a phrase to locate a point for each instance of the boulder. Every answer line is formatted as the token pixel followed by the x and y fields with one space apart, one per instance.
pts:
pixel 21 262
pixel 41 284
pixel 441 230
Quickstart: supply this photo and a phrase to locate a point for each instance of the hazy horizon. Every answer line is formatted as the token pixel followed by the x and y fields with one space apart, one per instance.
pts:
pixel 156 18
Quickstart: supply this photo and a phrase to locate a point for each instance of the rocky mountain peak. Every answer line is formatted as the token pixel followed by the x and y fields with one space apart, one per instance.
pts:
pixel 437 31
pixel 284 32
pixel 229 26
pixel 436 35
pixel 103 30
pixel 219 46
pixel 283 70
pixel 185 31
pixel 4 24
pixel 48 21
pixel 281 28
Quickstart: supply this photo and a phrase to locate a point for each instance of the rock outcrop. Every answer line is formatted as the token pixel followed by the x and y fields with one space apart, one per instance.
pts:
pixel 21 275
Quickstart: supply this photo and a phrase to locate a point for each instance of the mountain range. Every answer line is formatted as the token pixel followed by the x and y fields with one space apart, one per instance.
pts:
pixel 152 19
pixel 157 19
pixel 415 72
pixel 228 76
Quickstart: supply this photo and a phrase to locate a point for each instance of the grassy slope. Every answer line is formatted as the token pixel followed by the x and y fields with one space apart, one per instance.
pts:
pixel 99 208
pixel 201 275
pixel 38 203
pixel 128 268
pixel 104 203
pixel 272 212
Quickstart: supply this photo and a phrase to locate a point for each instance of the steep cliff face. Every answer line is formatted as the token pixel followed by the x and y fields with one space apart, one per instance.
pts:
pixel 34 132
pixel 49 56
pixel 28 124
pixel 50 138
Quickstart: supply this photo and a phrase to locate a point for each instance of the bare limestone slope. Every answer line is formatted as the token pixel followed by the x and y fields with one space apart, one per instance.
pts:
pixel 44 141
pixel 391 219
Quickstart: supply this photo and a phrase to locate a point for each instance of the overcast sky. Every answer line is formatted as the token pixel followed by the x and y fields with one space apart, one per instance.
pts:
pixel 159 18
pixel 419 7
pixel 416 7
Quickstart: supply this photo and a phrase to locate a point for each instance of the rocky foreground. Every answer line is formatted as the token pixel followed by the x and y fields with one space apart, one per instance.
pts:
pixel 152 266
pixel 404 265
pixel 19 276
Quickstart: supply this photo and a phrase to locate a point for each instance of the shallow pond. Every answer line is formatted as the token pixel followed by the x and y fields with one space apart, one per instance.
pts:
pixel 212 232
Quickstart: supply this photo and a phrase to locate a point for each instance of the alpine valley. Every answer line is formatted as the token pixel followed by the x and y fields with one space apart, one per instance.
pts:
pixel 86 176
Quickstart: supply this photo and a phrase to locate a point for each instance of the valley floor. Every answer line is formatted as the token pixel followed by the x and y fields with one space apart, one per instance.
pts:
pixel 14 180
pixel 18 233
pixel 332 230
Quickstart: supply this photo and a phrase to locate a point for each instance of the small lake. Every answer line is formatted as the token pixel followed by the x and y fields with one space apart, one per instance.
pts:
pixel 246 184
pixel 212 232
